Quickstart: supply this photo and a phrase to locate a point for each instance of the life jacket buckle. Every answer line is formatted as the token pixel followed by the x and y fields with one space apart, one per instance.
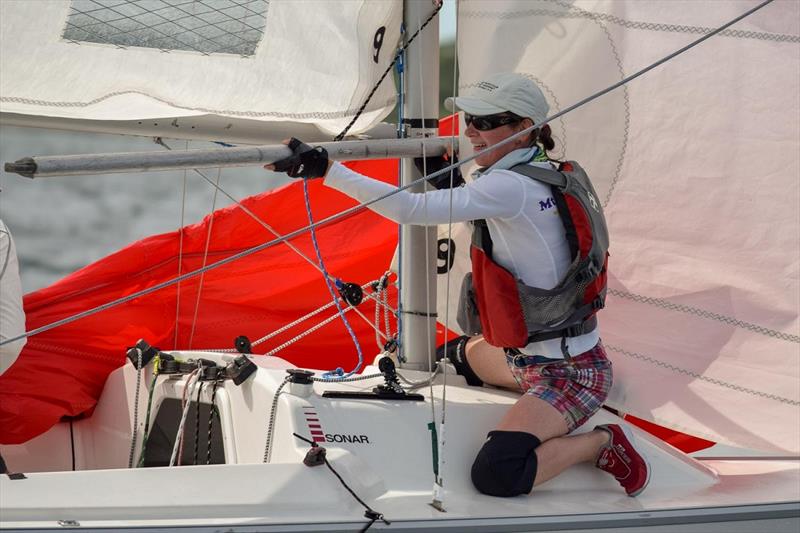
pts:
pixel 517 358
pixel 587 273
pixel 519 361
pixel 574 331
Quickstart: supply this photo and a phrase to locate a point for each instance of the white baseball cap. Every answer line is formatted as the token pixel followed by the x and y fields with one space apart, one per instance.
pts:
pixel 498 93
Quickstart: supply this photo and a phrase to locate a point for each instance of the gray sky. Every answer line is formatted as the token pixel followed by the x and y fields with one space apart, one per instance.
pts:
pixel 447 21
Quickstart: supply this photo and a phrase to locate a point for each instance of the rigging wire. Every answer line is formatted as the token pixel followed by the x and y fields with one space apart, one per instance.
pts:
pixel 450 251
pixel 329 285
pixel 298 321
pixel 360 363
pixel 205 258
pixel 245 209
pixel 255 219
pixel 180 248
pixel 401 76
pixel 311 330
pixel 361 206
pixel 438 489
pixel 319 267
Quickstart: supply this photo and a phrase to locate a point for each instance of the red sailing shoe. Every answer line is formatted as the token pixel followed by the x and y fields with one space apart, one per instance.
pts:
pixel 620 459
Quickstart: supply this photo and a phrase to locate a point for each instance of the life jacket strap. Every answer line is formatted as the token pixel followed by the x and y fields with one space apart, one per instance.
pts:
pixel 587 326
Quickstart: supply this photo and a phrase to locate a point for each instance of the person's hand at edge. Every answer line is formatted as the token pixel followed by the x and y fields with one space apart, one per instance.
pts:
pixel 305 162
pixel 429 165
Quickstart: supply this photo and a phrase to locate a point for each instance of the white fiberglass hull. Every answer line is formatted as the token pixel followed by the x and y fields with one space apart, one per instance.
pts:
pixel 382 449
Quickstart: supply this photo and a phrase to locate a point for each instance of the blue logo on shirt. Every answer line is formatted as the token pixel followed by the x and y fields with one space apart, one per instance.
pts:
pixel 549 204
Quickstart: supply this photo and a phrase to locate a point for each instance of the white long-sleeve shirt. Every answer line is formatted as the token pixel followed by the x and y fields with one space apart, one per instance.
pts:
pixel 527 233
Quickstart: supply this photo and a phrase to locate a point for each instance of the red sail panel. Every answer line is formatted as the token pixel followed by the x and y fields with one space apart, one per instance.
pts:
pixel 61 372
pixel 682 441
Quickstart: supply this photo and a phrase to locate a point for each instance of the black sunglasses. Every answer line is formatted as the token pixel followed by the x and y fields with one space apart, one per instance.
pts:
pixel 490 122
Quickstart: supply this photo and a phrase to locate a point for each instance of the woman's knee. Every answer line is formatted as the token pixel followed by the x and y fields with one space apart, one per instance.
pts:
pixel 506 465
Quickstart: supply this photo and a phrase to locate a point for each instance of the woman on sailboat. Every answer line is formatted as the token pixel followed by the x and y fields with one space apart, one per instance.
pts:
pixel 520 229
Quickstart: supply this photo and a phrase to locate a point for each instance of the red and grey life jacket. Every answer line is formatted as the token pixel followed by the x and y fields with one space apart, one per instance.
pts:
pixel 512 314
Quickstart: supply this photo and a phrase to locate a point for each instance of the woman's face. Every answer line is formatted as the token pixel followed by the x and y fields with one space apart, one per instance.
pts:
pixel 481 140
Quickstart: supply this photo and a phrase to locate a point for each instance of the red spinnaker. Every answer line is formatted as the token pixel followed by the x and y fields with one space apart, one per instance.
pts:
pixel 61 372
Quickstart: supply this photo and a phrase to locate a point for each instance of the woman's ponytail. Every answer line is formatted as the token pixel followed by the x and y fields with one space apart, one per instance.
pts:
pixel 545 137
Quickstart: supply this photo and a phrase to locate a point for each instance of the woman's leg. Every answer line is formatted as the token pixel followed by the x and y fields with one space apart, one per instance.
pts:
pixel 557 452
pixel 489 363
pixel 511 463
pixel 530 445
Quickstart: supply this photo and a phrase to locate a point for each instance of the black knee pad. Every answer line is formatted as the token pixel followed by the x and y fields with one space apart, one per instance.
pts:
pixel 507 463
pixel 456 353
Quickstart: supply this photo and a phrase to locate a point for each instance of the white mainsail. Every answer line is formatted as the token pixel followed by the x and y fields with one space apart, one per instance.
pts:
pixel 105 60
pixel 72 471
pixel 697 164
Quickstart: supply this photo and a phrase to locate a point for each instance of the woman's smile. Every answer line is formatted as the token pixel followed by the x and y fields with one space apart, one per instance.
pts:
pixel 481 140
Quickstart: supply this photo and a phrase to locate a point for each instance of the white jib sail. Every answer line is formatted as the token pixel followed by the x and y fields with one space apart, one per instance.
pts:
pixel 12 317
pixel 301 61
pixel 697 163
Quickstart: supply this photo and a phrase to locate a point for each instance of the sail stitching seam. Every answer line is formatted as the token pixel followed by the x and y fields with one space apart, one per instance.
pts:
pixel 626 103
pixel 664 304
pixel 701 377
pixel 361 206
pixel 313 114
pixel 637 25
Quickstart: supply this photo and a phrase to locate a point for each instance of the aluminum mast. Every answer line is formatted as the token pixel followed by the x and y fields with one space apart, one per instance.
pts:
pixel 418 243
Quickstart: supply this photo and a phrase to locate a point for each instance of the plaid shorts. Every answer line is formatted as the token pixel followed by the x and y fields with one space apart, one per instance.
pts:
pixel 577 389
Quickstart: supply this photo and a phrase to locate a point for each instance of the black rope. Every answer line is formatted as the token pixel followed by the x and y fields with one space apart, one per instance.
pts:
pixel 370 513
pixel 146 433
pixel 197 423
pixel 211 422
pixel 135 408
pixel 72 444
pixel 388 69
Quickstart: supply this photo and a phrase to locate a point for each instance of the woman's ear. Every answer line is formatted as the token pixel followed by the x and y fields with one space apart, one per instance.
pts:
pixel 523 124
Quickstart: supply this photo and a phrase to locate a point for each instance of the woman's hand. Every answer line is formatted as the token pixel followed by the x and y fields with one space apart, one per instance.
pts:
pixel 429 165
pixel 305 162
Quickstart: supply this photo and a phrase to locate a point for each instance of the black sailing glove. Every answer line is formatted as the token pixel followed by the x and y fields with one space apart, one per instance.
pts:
pixel 436 163
pixel 305 162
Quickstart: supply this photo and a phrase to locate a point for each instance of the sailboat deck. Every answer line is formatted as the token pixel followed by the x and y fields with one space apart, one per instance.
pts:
pixel 384 455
